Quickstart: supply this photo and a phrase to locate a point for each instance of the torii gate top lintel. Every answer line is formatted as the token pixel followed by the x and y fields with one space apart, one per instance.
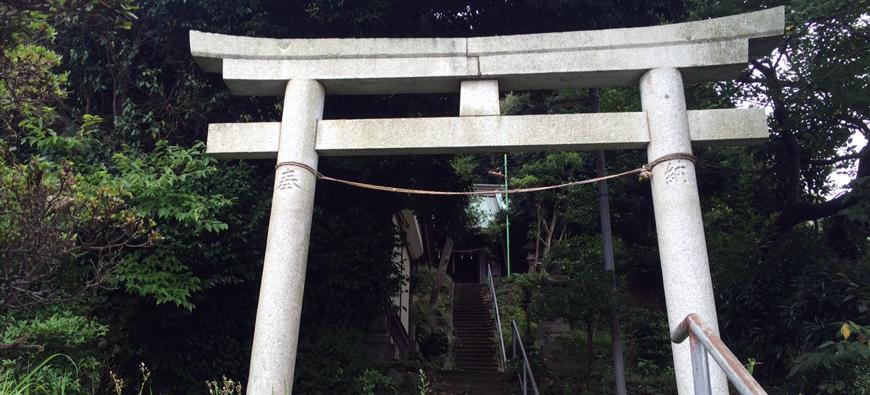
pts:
pixel 706 50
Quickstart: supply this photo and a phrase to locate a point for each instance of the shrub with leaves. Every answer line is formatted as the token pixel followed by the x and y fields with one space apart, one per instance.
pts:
pixel 57 352
pixel 836 366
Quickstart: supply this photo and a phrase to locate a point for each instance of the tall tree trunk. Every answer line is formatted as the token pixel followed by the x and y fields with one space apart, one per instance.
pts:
pixel 801 212
pixel 537 234
pixel 442 270
pixel 589 348
pixel 551 229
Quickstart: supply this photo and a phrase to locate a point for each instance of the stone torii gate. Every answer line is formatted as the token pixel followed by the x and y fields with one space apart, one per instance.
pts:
pixel 659 59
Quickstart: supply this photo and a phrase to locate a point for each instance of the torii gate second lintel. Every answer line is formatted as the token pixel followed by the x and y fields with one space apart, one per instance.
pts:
pixel 658 59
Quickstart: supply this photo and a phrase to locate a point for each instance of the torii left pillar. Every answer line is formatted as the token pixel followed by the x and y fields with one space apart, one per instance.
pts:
pixel 279 310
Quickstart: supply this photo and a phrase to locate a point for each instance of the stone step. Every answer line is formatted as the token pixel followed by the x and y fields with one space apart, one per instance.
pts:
pixel 477 366
pixel 472 326
pixel 474 346
pixel 476 337
pixel 489 368
pixel 481 347
pixel 475 357
pixel 465 375
pixel 487 360
pixel 475 352
pixel 479 369
pixel 477 363
pixel 480 343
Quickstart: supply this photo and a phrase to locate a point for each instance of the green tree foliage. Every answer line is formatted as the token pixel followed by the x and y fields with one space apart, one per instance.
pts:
pixel 789 256
pixel 553 210
pixel 836 366
pixel 64 362
pixel 78 213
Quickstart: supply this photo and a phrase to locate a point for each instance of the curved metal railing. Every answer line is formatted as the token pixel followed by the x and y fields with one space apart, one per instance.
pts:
pixel 526 377
pixel 702 342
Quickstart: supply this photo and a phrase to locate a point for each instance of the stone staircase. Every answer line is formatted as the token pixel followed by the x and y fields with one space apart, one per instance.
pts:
pixel 474 348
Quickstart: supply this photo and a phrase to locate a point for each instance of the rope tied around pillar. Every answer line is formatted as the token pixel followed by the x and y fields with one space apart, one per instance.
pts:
pixel 644 172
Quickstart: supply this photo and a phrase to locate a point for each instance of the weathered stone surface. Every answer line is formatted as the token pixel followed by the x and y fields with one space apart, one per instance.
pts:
pixel 415 136
pixel 753 26
pixel 708 50
pixel 478 97
pixel 366 75
pixel 679 224
pixel 205 46
pixel 276 331
pixel 252 140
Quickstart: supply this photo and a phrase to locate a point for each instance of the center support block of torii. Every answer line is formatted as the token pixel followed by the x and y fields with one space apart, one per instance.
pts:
pixel 679 225
pixel 276 334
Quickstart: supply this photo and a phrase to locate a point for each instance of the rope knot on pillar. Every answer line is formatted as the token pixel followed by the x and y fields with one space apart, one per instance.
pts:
pixel 646 170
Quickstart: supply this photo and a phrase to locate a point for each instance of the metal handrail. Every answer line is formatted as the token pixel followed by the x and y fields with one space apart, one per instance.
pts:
pixel 702 341
pixel 503 360
pixel 526 376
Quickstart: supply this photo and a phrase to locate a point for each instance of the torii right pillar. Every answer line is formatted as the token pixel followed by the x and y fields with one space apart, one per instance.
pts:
pixel 679 224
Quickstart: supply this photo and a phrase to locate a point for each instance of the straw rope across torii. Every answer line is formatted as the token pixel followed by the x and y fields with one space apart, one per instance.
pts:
pixel 644 172
pixel 658 59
